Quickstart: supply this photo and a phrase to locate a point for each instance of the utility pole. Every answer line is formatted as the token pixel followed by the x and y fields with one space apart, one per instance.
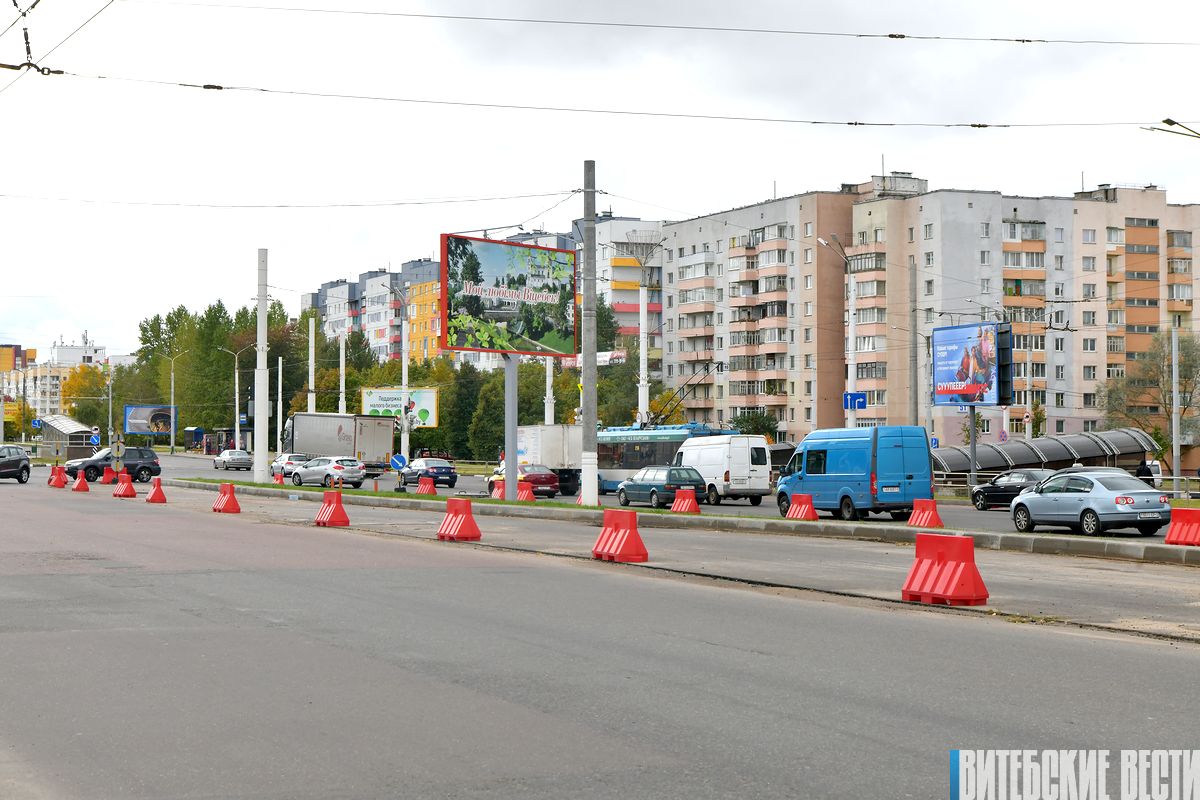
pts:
pixel 312 365
pixel 1175 408
pixel 174 412
pixel 279 410
pixel 1029 385
pixel 549 417
pixel 262 379
pixel 342 373
pixel 589 460
pixel 851 350
pixel 405 425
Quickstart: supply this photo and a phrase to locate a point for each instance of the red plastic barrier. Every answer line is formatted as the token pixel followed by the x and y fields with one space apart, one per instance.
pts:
pixel 124 488
pixel 685 502
pixel 277 479
pixel 227 502
pixel 109 476
pixel 459 523
pixel 1184 527
pixel 497 490
pixel 81 484
pixel 925 515
pixel 619 539
pixel 58 477
pixel 801 508
pixel 426 486
pixel 157 495
pixel 332 513
pixel 944 572
pixel 525 491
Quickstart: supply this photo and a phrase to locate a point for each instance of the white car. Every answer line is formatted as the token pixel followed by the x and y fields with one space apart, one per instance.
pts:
pixel 233 459
pixel 329 471
pixel 284 463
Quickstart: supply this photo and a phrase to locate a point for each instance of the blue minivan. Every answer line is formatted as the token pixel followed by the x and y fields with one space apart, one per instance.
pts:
pixel 856 471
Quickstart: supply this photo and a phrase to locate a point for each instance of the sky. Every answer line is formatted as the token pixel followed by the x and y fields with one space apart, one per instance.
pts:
pixel 126 196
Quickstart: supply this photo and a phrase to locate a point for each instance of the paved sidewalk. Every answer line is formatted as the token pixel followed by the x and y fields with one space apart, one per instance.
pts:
pixel 1148 598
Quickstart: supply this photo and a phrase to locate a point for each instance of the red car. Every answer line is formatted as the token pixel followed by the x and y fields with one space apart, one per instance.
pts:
pixel 541 479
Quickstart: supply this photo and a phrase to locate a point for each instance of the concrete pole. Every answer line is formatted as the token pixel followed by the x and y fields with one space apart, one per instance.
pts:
pixel 914 397
pixel 511 381
pixel 644 347
pixel 974 459
pixel 1029 385
pixel 312 365
pixel 279 410
pixel 1175 471
pixel 237 411
pixel 852 354
pixel 405 424
pixel 342 373
pixel 589 460
pixel 262 380
pixel 173 413
pixel 549 417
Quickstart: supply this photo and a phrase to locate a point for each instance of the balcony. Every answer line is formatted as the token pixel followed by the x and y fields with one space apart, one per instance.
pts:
pixel 696 355
pixel 699 402
pixel 700 330
pixel 744 301
pixel 700 282
pixel 1179 304
pixel 743 324
pixel 776 295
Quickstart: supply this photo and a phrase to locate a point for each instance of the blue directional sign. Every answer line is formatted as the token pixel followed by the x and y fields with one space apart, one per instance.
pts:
pixel 94 440
pixel 242 418
pixel 933 442
pixel 37 423
pixel 854 400
pixel 399 461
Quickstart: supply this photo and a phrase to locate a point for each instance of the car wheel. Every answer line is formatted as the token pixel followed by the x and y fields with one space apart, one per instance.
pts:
pixel 1022 519
pixel 143 475
pixel 91 474
pixel 714 499
pixel 327 482
pixel 357 485
pixel 451 484
pixel 216 465
pixel 23 475
pixel 296 479
pixel 900 516
pixel 756 500
pixel 784 503
pixel 979 501
pixel 1148 530
pixel 847 510
pixel 655 501
pixel 1089 521
pixel 622 498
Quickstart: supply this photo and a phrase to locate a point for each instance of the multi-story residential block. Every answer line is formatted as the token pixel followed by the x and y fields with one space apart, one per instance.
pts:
pixel 41 383
pixel 629 254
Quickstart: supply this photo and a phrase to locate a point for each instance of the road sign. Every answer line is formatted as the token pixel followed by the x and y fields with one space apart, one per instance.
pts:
pixel 1028 418
pixel 934 443
pixel 964 409
pixel 96 431
pixel 1003 436
pixel 399 461
pixel 118 465
pixel 36 424
pixel 94 440
pixel 854 400
pixel 243 419
pixel 118 449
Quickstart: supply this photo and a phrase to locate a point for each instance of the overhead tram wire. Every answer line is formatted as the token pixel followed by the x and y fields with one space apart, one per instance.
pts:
pixel 48 53
pixel 683 28
pixel 364 204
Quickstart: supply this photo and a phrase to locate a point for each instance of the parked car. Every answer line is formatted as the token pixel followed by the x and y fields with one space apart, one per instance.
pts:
pixel 14 463
pixel 285 462
pixel 657 485
pixel 329 470
pixel 439 469
pixel 140 462
pixel 233 459
pixel 733 466
pixel 541 478
pixel 854 471
pixel 1092 502
pixel 1000 490
pixel 1156 472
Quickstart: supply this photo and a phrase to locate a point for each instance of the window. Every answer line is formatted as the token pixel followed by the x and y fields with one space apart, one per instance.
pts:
pixel 1012 259
pixel 1141 329
pixel 1089 318
pixel 985 230
pixel 1089 345
pixel 1058 235
pixel 929 315
pixel 879 235
pixel 808 255
pixel 912 261
pixel 1058 262
pixel 1060 400
pixel 1090 426
pixel 929 287
pixel 808 334
pixel 1089 399
pixel 1089 290
pixel 1089 263
pixel 1115 371
pixel 928 258
pixel 1058 290
pixel 1141 275
pixel 1058 426
pixel 1179 266
pixel 862 237
pixel 1143 249
pixel 1113 344
pixel 1089 235
pixel 911 234
pixel 1116 317
pixel 814 462
pixel 808 309
pixel 1089 373
pixel 985 285
pixel 985 258
pixel 808 228
pixel 1059 344
pixel 1011 231
pixel 1114 235
pixel 1140 222
pixel 808 281
pixel 928 230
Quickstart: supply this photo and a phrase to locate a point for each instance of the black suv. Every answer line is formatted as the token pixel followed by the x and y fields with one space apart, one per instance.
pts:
pixel 140 462
pixel 14 463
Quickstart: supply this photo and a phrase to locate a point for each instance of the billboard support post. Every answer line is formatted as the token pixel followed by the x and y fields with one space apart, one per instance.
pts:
pixel 342 373
pixel 1029 390
pixel 312 364
pixel 279 415
pixel 1175 472
pixel 404 334
pixel 262 379
pixel 549 417
pixel 589 460
pixel 974 460
pixel 511 381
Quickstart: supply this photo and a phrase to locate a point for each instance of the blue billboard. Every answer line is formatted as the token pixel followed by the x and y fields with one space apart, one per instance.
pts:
pixel 967 362
pixel 148 420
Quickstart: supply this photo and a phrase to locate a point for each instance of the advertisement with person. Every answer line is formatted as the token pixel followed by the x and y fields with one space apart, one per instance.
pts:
pixel 148 420
pixel 965 365
pixel 388 401
pixel 505 297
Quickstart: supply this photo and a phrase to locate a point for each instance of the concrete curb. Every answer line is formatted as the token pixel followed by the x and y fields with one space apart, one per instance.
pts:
pixel 1050 544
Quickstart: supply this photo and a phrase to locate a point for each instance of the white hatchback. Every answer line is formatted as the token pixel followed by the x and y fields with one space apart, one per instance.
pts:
pixel 329 471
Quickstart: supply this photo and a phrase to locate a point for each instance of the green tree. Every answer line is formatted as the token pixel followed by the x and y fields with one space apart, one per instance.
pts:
pixel 486 431
pixel 84 395
pixel 459 414
pixel 606 326
pixel 666 411
pixel 757 423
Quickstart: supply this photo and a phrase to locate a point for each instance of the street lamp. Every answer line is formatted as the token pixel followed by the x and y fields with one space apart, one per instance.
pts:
pixel 237 416
pixel 852 355
pixel 641 246
pixel 173 412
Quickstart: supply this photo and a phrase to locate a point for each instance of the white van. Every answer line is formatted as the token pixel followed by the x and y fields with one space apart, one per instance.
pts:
pixel 733 466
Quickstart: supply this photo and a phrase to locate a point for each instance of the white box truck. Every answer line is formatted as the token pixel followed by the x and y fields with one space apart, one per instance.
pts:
pixel 559 447
pixel 367 438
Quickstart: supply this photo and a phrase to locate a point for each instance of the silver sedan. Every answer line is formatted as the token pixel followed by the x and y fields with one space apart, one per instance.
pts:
pixel 1092 502
pixel 329 471
pixel 233 459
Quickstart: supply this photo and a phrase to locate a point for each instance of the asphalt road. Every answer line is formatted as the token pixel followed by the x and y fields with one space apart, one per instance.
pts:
pixel 167 652
pixel 958 516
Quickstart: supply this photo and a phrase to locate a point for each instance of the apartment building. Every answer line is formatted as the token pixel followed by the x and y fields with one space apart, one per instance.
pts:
pixel 629 254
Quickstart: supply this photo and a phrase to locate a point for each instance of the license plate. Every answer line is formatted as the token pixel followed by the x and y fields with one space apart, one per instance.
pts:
pixel 1148 515
pixel 891 488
